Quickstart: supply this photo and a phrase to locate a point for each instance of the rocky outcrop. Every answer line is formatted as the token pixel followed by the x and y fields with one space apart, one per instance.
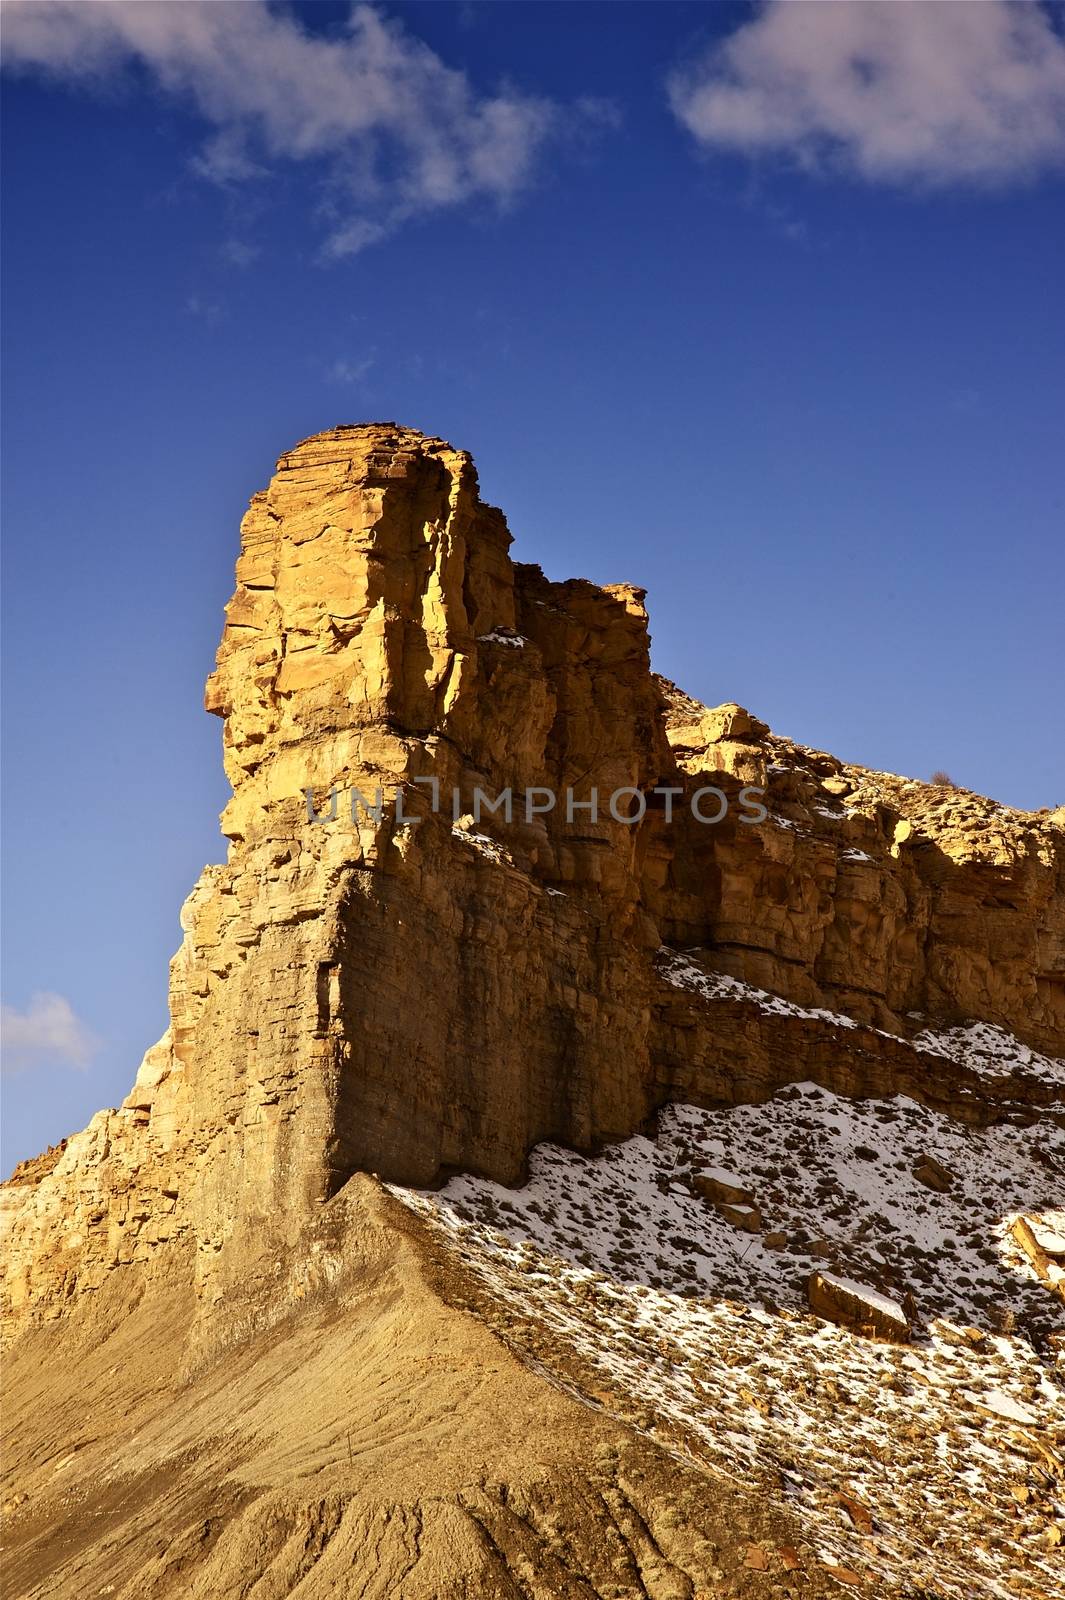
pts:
pixel 871 894
pixel 398 974
pixel 416 983
pixel 1041 1241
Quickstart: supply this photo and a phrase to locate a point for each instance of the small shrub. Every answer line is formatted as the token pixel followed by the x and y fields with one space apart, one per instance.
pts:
pixel 944 779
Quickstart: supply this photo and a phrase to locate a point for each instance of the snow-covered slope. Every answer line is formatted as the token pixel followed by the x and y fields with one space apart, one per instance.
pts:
pixel 927 1468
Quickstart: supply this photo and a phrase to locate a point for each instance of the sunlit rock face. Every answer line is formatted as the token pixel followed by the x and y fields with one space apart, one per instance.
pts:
pixel 598 1146
pixel 388 976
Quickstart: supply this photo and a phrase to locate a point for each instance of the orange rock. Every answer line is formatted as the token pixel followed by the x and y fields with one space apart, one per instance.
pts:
pixel 858 1513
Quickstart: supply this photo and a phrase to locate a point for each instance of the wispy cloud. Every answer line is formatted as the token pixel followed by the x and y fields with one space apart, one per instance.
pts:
pixel 238 253
pixel 47 1033
pixel 208 310
pixel 348 238
pixel 344 370
pixel 401 132
pixel 919 92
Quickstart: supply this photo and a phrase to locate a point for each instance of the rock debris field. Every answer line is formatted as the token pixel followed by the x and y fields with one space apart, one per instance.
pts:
pixel 667 1280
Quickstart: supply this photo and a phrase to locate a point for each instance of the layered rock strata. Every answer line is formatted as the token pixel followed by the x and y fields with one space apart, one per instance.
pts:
pixel 408 997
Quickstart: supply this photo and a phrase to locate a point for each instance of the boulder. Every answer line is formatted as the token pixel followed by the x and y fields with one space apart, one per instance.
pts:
pixel 715 1184
pixel 857 1307
pixel 748 1217
pixel 1041 1239
pixel 933 1174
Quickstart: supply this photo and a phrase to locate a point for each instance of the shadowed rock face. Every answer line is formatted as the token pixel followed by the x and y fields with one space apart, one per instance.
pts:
pixel 363 995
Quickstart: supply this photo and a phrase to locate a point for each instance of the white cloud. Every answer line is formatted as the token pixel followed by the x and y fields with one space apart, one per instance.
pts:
pixel 402 132
pixel 47 1033
pixel 348 238
pixel 897 91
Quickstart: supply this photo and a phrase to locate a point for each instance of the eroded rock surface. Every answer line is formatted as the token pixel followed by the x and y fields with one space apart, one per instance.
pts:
pixel 359 994
pixel 365 994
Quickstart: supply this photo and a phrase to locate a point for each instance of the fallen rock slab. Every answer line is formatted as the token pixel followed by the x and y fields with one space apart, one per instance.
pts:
pixel 857 1307
pixel 717 1185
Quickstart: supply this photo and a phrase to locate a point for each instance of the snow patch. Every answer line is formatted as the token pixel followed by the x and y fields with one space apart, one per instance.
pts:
pixel 991 1052
pixel 499 636
pixel 613 1276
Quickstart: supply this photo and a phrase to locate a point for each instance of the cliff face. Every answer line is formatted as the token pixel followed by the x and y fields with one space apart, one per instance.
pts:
pixel 249 1357
pixel 406 998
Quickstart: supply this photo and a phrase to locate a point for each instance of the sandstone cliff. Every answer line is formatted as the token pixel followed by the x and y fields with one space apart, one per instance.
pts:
pixel 369 995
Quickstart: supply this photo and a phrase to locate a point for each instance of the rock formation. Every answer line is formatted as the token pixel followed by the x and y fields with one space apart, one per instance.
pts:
pixel 389 978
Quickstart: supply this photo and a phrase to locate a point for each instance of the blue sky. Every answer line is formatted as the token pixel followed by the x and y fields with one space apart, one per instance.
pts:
pixel 758 308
